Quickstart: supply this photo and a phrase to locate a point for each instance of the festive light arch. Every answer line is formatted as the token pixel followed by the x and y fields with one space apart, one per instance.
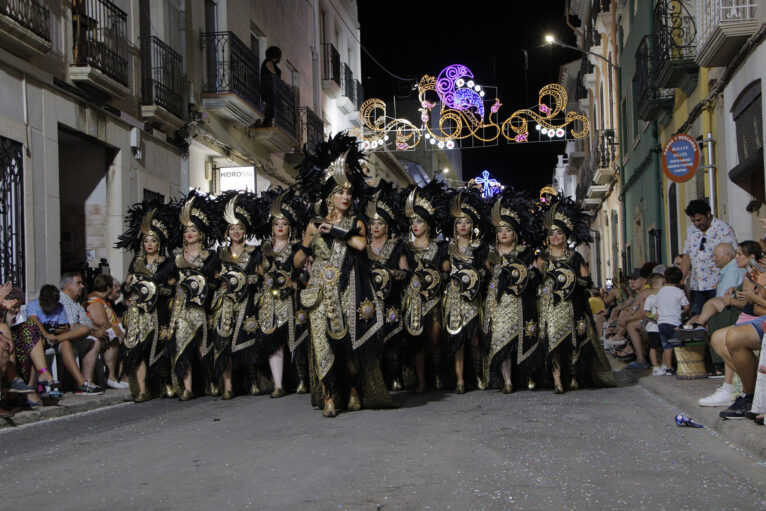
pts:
pixel 461 115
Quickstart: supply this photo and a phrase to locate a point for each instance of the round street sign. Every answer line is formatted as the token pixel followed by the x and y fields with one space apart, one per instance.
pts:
pixel 680 158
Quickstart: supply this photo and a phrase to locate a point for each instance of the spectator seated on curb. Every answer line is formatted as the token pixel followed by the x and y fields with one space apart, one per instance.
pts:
pixel 735 345
pixel 656 281
pixel 671 303
pixel 631 311
pixel 103 316
pixel 732 274
pixel 29 348
pixel 50 316
pixel 633 320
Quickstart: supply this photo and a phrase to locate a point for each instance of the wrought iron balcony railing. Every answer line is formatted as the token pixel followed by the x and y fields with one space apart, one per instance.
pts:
pixel 30 14
pixel 312 128
pixel 359 94
pixel 330 63
pixel 642 78
pixel 229 66
pixel 712 14
pixel 100 37
pixel 349 87
pixel 602 150
pixel 163 86
pixel 675 32
pixel 285 115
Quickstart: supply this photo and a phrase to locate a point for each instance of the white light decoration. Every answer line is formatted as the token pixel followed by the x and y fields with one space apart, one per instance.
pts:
pixel 470 83
pixel 481 93
pixel 385 138
pixel 450 144
pixel 441 145
pixel 433 141
pixel 560 132
pixel 538 127
pixel 477 88
pixel 428 135
pixel 460 82
pixel 551 133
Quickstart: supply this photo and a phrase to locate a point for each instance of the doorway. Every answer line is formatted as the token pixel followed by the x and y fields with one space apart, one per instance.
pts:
pixel 83 165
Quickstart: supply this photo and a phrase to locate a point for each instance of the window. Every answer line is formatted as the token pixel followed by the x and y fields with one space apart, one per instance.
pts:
pixel 11 212
pixel 748 121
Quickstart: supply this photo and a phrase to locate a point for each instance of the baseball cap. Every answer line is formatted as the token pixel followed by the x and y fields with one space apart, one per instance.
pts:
pixel 635 274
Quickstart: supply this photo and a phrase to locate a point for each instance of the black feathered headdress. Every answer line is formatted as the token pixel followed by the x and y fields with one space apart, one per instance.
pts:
pixel 385 203
pixel 428 203
pixel 336 164
pixel 512 209
pixel 149 218
pixel 565 214
pixel 279 203
pixel 238 209
pixel 203 212
pixel 468 203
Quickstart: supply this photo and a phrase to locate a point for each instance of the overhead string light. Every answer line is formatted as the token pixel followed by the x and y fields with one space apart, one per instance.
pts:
pixel 462 115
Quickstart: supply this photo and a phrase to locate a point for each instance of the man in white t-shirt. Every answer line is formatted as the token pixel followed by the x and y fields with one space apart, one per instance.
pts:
pixel 656 281
pixel 671 303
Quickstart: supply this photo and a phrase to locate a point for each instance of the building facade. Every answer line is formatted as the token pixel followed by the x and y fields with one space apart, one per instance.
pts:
pixel 108 102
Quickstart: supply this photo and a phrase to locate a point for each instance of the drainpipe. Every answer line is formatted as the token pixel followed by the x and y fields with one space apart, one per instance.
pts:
pixel 315 62
pixel 708 142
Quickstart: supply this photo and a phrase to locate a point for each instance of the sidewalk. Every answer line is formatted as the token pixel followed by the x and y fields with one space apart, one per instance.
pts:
pixel 68 405
pixel 684 394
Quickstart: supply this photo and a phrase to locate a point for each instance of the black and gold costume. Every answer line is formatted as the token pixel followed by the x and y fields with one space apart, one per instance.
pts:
pixel 566 321
pixel 147 315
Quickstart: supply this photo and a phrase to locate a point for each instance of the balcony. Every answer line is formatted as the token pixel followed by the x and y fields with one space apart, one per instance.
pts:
pixel 231 86
pixel 602 156
pixel 331 78
pixel 675 35
pixel 597 191
pixel 100 47
pixel 25 27
pixel 724 26
pixel 282 136
pixel 310 134
pixel 577 156
pixel 653 103
pixel 346 102
pixel 162 85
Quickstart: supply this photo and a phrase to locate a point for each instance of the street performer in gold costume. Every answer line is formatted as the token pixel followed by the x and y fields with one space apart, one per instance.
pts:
pixel 344 312
pixel 510 308
pixel 285 218
pixel 426 208
pixel 194 269
pixel 574 352
pixel 150 228
pixel 235 325
pixel 462 301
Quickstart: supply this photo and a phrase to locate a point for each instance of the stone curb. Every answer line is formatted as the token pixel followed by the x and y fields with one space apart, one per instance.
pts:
pixel 70 404
pixel 684 394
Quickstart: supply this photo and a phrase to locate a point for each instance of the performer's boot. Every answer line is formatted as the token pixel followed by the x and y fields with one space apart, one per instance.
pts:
pixel 478 370
pixel 303 377
pixel 354 403
pixel 393 368
pixel 531 383
pixel 254 388
pixel 436 363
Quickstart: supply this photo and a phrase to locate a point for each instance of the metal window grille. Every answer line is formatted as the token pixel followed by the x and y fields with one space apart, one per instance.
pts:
pixel 230 66
pixel 12 268
pixel 100 37
pixel 30 14
pixel 164 85
pixel 330 63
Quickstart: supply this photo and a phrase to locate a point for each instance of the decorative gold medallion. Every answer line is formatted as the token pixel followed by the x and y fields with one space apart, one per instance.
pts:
pixel 366 310
pixel 164 333
pixel 530 329
pixel 392 315
pixel 250 324
pixel 582 326
pixel 301 316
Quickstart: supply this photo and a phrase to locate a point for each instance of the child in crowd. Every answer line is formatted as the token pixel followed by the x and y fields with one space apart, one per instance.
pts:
pixel 671 303
pixel 656 281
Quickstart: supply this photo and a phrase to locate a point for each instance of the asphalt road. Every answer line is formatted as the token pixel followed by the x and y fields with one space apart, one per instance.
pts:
pixel 589 449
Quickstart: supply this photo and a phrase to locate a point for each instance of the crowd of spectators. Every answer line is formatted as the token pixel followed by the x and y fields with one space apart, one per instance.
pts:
pixel 80 331
pixel 714 293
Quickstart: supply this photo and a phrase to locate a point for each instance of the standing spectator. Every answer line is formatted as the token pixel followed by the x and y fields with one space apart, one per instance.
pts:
pixel 116 300
pixel 697 263
pixel 270 73
pixel 671 303
pixel 656 281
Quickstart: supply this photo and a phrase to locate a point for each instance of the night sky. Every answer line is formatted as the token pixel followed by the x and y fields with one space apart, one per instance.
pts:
pixel 412 38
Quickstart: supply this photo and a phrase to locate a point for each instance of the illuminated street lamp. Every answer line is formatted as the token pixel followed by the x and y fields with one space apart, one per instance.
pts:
pixel 550 39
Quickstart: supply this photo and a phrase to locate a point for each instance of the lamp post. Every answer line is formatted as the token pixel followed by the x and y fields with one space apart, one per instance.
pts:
pixel 550 39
